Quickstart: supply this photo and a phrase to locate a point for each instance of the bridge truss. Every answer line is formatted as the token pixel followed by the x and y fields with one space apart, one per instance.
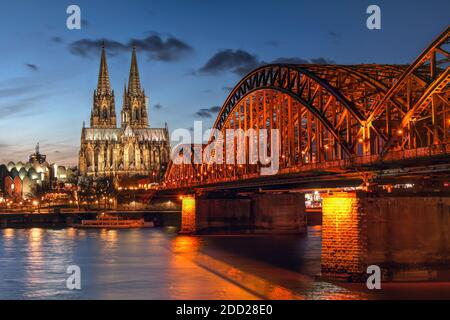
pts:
pixel 335 115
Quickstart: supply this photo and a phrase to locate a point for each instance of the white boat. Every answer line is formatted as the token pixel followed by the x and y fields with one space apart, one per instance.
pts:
pixel 108 221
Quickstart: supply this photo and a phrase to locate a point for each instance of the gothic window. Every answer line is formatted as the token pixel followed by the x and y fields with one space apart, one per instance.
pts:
pixel 96 157
pixel 89 157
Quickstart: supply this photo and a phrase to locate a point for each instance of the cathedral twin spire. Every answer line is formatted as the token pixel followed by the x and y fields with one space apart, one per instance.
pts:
pixel 134 108
pixel 103 85
pixel 134 83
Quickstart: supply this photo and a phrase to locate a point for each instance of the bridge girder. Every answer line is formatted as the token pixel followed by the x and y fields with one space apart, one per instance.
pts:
pixel 329 113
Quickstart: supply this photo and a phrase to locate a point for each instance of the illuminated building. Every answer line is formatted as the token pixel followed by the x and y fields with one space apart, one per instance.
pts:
pixel 131 149
pixel 22 180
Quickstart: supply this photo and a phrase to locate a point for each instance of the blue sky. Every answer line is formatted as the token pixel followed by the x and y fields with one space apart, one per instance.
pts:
pixel 190 53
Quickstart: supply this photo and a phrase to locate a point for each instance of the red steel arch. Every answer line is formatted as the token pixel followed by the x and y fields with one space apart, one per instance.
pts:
pixel 329 113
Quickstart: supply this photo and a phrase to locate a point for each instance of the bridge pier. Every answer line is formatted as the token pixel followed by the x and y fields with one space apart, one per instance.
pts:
pixel 256 213
pixel 406 235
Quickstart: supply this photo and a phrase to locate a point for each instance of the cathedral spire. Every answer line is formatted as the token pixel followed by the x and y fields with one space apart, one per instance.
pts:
pixel 103 114
pixel 134 83
pixel 103 86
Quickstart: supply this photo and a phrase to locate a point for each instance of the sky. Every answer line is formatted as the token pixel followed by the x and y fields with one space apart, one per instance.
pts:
pixel 190 53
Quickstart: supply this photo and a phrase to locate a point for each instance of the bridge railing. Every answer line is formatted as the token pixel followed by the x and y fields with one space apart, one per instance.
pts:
pixel 350 164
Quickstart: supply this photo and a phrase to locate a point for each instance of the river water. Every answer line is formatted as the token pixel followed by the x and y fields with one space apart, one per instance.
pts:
pixel 159 264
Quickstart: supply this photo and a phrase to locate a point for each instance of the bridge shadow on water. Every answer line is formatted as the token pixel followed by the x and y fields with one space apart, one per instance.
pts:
pixel 297 253
pixel 268 266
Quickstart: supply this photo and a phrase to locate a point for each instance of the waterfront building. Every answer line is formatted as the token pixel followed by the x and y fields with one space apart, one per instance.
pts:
pixel 25 180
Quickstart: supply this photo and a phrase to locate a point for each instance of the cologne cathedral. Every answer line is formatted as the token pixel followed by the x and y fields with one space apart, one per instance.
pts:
pixel 133 149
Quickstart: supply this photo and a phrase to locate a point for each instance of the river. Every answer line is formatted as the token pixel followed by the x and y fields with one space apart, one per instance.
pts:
pixel 159 264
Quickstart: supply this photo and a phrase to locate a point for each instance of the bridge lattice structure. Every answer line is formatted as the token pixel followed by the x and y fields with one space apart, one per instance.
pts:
pixel 331 116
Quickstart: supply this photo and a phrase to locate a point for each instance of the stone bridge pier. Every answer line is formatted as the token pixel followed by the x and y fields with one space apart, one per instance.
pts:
pixel 255 213
pixel 406 235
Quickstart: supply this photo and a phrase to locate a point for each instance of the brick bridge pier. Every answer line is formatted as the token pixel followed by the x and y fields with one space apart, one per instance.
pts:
pixel 406 235
pixel 255 213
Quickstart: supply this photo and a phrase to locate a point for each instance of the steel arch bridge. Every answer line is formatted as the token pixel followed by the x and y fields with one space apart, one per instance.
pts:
pixel 332 116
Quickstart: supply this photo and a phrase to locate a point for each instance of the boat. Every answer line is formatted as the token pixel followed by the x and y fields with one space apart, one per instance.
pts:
pixel 109 221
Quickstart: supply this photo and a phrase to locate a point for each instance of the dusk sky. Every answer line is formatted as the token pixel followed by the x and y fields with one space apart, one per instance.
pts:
pixel 190 53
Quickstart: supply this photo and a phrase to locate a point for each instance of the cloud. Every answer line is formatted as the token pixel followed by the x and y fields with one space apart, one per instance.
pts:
pixel 56 39
pixel 11 91
pixel 241 62
pixel 215 109
pixel 207 112
pixel 88 47
pixel 228 89
pixel 273 43
pixel 62 154
pixel 19 96
pixel 334 34
pixel 159 49
pixel 32 66
pixel 236 61
pixel 24 106
pixel 321 60
pixel 157 106
pixel 292 60
pixel 156 47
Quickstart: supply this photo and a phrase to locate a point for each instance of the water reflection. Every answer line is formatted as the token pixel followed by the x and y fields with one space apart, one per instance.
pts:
pixel 8 239
pixel 186 245
pixel 159 264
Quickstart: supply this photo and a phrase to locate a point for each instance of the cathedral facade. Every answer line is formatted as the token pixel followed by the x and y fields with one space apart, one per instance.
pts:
pixel 131 149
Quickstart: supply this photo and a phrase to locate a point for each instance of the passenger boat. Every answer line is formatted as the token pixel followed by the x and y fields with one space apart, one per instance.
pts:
pixel 108 221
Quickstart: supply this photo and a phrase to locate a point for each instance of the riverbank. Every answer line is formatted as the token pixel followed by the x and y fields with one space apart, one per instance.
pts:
pixel 67 219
